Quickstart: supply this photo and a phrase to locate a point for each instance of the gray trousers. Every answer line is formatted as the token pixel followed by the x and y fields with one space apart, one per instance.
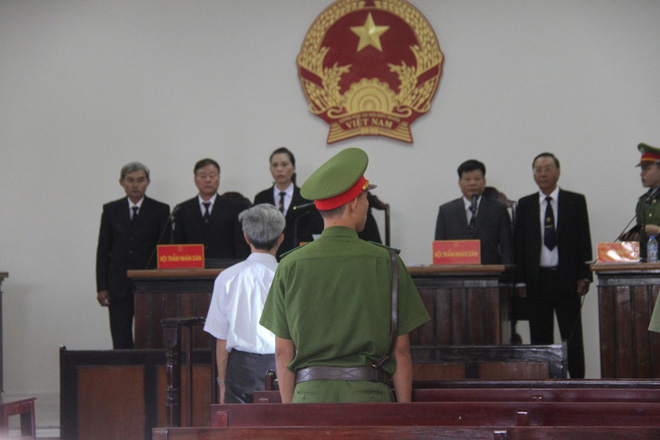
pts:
pixel 246 373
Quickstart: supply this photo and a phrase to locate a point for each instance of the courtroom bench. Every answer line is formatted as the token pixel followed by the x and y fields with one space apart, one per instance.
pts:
pixel 523 391
pixel 411 433
pixel 439 413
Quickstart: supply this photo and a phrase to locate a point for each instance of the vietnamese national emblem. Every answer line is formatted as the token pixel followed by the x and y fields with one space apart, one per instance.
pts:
pixel 370 68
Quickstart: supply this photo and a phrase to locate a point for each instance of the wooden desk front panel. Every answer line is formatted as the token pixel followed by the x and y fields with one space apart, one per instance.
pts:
pixel 625 304
pixel 156 299
pixel 465 310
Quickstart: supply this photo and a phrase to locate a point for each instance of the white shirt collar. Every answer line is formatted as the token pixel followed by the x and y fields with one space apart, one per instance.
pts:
pixel 288 191
pixel 138 204
pixel 554 194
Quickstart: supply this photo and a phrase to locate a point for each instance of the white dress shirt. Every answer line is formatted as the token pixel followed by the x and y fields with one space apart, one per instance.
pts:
pixel 239 294
pixel 138 205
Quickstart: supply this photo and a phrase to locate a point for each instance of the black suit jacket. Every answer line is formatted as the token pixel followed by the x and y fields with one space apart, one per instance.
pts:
pixel 573 241
pixel 124 244
pixel 222 237
pixel 492 228
pixel 291 216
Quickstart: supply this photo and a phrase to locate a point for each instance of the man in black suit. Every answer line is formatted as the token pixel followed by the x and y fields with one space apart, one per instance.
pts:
pixel 212 219
pixel 130 230
pixel 491 225
pixel 553 248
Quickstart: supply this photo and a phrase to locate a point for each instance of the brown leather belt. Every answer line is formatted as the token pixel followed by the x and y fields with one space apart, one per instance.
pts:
pixel 342 373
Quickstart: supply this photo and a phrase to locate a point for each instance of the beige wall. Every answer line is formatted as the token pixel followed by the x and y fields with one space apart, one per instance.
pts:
pixel 86 86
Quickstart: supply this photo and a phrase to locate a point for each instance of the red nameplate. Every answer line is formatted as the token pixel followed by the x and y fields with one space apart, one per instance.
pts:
pixel 618 252
pixel 457 252
pixel 180 256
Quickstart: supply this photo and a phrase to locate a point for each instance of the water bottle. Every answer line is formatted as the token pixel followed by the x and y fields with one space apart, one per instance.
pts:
pixel 652 250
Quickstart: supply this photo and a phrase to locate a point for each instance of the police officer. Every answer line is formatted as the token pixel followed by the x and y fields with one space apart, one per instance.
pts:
pixel 648 208
pixel 330 302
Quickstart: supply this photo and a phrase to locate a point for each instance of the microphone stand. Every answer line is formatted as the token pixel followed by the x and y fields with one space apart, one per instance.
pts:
pixel 170 221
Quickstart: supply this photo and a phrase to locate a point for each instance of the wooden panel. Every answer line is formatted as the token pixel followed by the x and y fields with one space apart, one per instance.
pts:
pixel 626 296
pixel 99 382
pixel 513 370
pixel 607 331
pixel 439 371
pixel 109 395
pixel 201 395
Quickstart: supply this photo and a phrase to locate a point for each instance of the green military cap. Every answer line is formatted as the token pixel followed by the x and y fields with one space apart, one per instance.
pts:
pixel 339 180
pixel 649 153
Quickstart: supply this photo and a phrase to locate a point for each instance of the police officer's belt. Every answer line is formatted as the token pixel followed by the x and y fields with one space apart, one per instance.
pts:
pixel 342 373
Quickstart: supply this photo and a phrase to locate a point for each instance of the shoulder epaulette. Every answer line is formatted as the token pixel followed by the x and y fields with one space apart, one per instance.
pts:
pixel 293 250
pixel 398 251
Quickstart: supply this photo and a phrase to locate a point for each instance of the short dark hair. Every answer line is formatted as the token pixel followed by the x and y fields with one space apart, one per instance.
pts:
pixel 204 162
pixel 546 154
pixel 471 165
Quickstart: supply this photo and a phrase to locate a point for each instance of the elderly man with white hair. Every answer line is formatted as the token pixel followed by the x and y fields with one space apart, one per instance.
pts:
pixel 244 349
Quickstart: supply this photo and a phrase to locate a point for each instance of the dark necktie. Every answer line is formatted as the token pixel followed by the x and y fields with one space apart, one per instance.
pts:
pixel 281 205
pixel 550 234
pixel 473 217
pixel 135 213
pixel 207 214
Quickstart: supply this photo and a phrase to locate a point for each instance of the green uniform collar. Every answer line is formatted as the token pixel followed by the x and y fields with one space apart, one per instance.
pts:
pixel 339 231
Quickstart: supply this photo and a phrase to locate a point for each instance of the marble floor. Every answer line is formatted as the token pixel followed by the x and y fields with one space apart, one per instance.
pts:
pixel 46 414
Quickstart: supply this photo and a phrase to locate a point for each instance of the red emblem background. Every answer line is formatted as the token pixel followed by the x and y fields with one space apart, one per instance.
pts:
pixel 367 91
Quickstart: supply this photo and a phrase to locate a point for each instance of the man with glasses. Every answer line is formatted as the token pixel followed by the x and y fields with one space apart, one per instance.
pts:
pixel 553 250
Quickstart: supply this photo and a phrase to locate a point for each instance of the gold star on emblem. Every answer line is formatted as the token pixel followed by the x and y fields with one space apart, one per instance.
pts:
pixel 369 34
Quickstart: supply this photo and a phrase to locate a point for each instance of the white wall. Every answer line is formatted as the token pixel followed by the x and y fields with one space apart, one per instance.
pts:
pixel 86 86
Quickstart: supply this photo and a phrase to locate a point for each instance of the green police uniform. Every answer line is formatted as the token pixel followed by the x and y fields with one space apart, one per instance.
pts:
pixel 332 297
pixel 648 213
pixel 651 213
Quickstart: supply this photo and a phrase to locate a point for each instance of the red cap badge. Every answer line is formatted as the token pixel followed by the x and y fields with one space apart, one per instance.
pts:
pixel 370 68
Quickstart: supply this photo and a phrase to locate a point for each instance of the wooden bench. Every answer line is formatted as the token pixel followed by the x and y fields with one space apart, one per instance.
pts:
pixel 574 390
pixel 484 362
pixel 331 432
pixel 489 362
pixel 440 414
pixel 411 433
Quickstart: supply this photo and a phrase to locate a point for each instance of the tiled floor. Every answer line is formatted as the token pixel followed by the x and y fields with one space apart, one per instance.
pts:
pixel 46 414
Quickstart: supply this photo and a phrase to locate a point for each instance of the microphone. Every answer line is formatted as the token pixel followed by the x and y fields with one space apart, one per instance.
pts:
pixel 304 206
pixel 170 221
pixel 475 197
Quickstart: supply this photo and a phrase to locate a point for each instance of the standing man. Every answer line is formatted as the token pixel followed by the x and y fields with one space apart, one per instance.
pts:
pixel 244 349
pixel 491 225
pixel 130 230
pixel 553 248
pixel 330 302
pixel 211 219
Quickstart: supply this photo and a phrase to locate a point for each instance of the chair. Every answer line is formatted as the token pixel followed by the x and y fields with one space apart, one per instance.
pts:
pixel 24 408
pixel 376 203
